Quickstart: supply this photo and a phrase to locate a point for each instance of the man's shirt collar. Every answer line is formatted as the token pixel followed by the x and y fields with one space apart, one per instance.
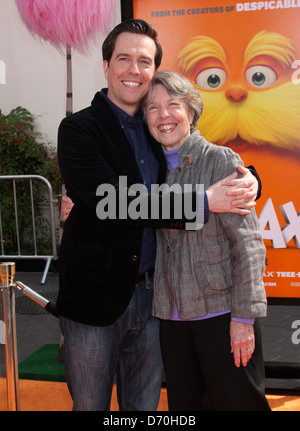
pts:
pixel 123 117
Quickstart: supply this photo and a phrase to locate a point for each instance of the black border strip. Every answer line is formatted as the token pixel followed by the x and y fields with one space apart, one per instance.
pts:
pixel 126 9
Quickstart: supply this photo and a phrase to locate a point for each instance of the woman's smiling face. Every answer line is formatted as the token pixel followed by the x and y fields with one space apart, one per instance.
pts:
pixel 168 118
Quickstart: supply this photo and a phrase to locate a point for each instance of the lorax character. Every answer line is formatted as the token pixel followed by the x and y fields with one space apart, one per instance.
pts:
pixel 250 100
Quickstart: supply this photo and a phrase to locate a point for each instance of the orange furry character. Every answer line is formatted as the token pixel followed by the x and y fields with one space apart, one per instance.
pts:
pixel 251 103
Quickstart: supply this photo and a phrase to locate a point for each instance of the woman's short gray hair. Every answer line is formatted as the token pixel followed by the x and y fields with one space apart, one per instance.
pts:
pixel 180 87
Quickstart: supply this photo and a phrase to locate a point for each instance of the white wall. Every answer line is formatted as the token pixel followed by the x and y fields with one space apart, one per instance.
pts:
pixel 36 73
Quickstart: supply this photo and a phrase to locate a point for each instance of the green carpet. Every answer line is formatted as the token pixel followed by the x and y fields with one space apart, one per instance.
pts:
pixel 43 365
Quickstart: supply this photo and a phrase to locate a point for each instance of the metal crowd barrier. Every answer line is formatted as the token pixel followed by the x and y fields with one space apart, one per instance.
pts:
pixel 7 274
pixel 35 254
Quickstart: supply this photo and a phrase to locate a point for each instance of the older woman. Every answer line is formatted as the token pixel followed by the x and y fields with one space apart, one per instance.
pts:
pixel 208 288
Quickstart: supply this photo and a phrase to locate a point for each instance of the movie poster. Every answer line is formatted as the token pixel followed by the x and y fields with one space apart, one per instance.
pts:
pixel 244 58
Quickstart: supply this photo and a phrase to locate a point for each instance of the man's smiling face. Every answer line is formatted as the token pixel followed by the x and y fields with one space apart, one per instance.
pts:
pixel 130 70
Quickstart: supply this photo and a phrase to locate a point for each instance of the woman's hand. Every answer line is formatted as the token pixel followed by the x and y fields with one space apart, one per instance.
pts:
pixel 66 206
pixel 242 342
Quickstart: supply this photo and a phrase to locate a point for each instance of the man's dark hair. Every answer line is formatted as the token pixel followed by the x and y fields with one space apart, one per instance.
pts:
pixel 137 26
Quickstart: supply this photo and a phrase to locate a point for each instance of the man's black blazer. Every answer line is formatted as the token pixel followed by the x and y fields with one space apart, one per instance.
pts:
pixel 99 259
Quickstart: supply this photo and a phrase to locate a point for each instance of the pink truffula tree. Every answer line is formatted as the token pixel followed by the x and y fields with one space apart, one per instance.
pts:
pixel 67 24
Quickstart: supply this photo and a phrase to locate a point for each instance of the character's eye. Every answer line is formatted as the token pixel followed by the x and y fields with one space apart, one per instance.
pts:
pixel 260 76
pixel 211 79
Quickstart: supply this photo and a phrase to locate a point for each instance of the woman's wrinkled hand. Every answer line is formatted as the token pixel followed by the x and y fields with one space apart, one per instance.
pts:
pixel 242 342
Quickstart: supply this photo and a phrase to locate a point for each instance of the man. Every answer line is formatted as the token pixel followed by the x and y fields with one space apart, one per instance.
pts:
pixel 105 292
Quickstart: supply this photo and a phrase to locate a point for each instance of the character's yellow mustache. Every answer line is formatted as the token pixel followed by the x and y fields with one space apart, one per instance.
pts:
pixel 265 117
